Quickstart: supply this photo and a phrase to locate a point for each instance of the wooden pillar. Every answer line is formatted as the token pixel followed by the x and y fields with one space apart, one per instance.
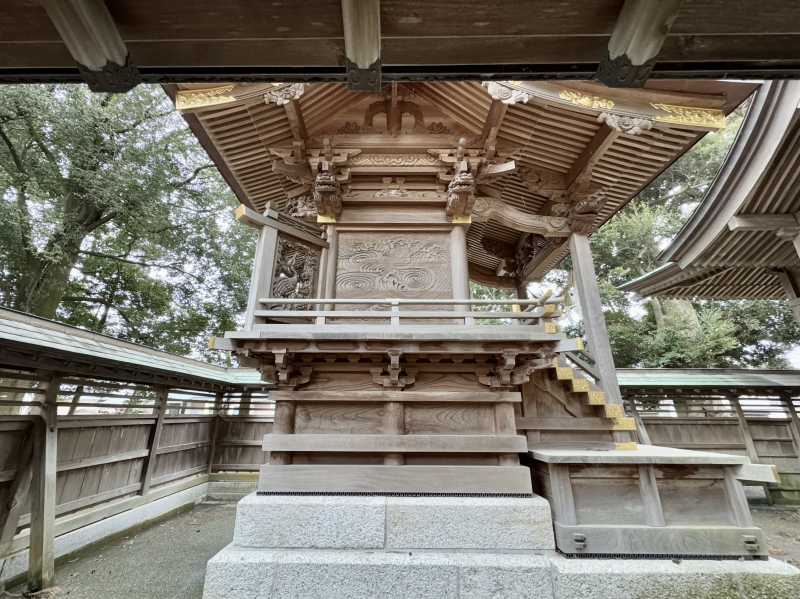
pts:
pixel 794 421
pixel 261 277
pixel 458 259
pixel 216 421
pixel 394 424
pixel 41 560
pixel 594 322
pixel 651 498
pixel 284 425
pixel 505 424
pixel 18 493
pixel 328 274
pixel 155 438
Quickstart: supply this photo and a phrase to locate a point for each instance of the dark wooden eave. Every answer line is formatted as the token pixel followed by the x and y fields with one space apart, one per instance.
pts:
pixel 207 40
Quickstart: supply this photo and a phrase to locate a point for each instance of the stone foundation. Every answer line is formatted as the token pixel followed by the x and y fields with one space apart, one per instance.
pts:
pixel 449 547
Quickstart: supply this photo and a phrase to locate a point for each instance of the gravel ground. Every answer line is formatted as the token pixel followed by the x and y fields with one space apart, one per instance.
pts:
pixel 164 561
pixel 168 560
pixel 782 528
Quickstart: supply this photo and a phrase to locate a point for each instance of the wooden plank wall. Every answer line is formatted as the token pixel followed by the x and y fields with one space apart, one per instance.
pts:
pixel 118 440
pixel 763 427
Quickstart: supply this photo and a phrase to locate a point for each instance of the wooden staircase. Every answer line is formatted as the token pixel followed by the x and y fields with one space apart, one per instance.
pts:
pixel 563 407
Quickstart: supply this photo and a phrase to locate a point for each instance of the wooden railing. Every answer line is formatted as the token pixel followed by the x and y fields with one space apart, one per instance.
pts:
pixel 389 311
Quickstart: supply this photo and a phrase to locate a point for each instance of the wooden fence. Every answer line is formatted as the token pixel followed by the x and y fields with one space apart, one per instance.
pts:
pixel 113 441
pixel 766 428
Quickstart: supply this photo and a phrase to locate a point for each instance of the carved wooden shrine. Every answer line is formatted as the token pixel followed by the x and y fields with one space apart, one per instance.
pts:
pixel 374 212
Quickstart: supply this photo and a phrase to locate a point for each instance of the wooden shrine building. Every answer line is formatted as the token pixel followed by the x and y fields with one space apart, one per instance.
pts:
pixel 374 211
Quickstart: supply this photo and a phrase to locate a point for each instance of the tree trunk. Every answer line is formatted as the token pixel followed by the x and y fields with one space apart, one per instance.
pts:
pixel 43 286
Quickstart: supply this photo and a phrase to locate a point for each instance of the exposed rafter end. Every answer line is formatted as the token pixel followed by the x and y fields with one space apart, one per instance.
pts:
pixel 91 36
pixel 640 31
pixel 361 20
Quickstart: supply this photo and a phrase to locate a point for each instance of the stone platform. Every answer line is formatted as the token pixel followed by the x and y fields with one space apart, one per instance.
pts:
pixel 448 547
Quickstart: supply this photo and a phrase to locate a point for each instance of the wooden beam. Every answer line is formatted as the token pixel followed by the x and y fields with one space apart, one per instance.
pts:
pixel 91 36
pixel 487 209
pixel 639 33
pixel 592 153
pixel 41 560
pixel 248 216
pixel 361 21
pixel 764 222
pixel 155 439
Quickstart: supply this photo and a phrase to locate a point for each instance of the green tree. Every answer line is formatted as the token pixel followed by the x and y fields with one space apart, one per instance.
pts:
pixel 113 218
pixel 677 333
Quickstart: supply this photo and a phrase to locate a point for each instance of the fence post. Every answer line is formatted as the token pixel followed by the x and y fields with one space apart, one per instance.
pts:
pixel 41 557
pixel 215 422
pixel 155 437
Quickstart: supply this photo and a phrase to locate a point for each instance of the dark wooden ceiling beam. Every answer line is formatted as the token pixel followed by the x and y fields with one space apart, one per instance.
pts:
pixel 639 34
pixel 361 20
pixel 92 38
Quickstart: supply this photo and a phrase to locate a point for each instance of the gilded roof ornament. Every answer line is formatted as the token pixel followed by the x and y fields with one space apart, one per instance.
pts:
pixel 197 98
pixel 586 100
pixel 712 118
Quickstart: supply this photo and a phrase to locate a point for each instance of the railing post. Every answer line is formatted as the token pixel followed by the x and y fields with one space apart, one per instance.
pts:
pixel 215 426
pixel 395 312
pixel 155 438
pixel 41 560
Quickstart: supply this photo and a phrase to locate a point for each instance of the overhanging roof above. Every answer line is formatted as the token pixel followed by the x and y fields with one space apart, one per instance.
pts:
pixel 565 130
pixel 734 245
pixel 205 40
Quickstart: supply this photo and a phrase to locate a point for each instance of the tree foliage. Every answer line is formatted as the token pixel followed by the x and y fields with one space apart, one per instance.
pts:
pixel 672 333
pixel 112 218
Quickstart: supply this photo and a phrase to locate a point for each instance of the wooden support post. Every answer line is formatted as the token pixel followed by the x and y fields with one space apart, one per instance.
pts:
pixel 594 322
pixel 91 36
pixel 460 269
pixel 41 560
pixel 639 33
pixel 155 439
pixel 505 423
pixel 394 424
pixel 263 267
pixel 215 426
pixel 283 424
pixel 562 499
pixel 737 500
pixel 651 499
pixel 361 21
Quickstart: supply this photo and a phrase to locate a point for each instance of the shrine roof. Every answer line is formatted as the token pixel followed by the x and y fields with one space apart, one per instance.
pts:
pixel 633 379
pixel 737 244
pixel 556 133
pixel 193 40
pixel 27 341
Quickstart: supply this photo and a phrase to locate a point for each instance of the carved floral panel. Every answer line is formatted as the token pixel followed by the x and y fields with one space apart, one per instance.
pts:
pixel 375 265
